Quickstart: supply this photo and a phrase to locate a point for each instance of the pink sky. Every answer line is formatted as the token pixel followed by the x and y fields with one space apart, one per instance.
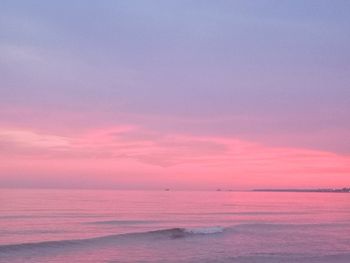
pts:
pixel 129 156
pixel 175 94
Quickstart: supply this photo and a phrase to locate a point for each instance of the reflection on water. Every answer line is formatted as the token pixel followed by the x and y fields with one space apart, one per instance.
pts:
pixel 194 226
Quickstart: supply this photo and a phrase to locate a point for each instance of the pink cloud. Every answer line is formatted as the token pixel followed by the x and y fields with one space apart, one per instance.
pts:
pixel 128 154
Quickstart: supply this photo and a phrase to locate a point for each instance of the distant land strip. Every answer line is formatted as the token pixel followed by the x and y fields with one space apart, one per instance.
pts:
pixel 326 190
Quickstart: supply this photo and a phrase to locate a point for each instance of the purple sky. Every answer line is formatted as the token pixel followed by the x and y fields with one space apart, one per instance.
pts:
pixel 271 72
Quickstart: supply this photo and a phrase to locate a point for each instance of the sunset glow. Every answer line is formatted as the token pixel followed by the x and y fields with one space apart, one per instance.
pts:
pixel 157 95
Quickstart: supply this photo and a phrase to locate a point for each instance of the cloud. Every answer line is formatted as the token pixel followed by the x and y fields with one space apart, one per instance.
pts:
pixel 134 155
pixel 27 138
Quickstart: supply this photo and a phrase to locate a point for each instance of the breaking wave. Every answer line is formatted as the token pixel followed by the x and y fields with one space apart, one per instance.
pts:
pixel 204 230
pixel 171 233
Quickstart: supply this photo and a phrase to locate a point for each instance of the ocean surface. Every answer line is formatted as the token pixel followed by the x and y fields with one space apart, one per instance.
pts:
pixel 173 226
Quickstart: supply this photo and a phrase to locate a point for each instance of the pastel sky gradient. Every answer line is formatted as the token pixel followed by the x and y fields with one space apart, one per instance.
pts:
pixel 183 94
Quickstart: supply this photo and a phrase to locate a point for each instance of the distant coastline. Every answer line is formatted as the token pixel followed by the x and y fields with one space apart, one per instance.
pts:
pixel 326 190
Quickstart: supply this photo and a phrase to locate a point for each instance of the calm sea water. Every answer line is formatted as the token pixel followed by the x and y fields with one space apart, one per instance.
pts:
pixel 158 226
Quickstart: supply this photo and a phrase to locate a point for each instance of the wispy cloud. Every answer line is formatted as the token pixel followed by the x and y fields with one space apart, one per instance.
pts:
pixel 27 138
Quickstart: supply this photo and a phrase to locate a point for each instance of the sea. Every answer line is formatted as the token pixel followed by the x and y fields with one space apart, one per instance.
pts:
pixel 173 226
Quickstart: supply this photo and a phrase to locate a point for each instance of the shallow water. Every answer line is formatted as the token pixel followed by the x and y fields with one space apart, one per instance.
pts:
pixel 159 226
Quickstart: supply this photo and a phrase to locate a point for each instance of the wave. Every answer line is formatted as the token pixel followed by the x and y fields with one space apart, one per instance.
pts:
pixel 171 233
pixel 204 230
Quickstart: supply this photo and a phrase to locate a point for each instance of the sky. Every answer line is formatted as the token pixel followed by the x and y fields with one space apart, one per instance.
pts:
pixel 175 94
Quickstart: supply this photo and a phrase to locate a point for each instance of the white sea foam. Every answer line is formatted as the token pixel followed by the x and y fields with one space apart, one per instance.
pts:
pixel 204 230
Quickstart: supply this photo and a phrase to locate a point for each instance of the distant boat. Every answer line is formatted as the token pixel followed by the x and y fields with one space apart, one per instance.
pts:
pixel 167 189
